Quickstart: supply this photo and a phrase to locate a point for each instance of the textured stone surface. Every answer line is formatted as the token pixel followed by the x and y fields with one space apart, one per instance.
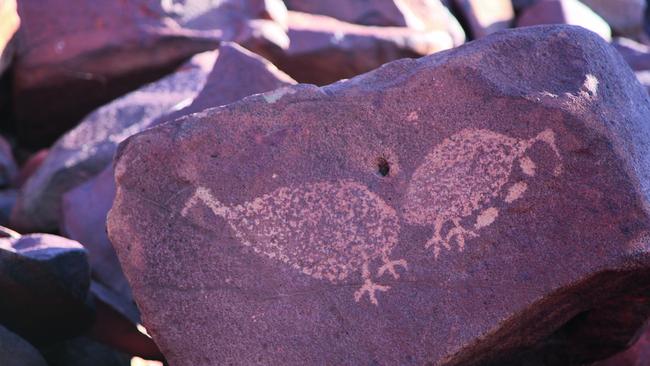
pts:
pixel 15 351
pixel 44 280
pixel 419 15
pixel 237 73
pixel 85 150
pixel 323 50
pixel 624 16
pixel 486 17
pixel 95 51
pixel 8 27
pixel 432 211
pixel 571 12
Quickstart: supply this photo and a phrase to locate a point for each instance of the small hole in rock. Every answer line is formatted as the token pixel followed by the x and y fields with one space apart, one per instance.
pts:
pixel 383 167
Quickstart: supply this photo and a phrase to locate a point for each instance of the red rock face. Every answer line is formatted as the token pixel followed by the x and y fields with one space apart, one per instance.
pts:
pixel 323 50
pixel 95 51
pixel 428 212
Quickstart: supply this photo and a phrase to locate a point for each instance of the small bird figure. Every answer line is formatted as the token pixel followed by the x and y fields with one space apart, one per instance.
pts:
pixel 327 230
pixel 464 174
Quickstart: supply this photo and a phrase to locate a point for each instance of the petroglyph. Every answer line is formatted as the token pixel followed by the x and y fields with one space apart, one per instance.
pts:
pixel 463 175
pixel 328 231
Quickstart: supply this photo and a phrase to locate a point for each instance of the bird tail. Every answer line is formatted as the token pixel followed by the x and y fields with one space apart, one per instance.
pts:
pixel 203 194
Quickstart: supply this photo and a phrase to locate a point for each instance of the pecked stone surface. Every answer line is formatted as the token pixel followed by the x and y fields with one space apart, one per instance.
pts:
pixel 85 150
pixel 44 280
pixel 95 51
pixel 236 73
pixel 323 50
pixel 429 212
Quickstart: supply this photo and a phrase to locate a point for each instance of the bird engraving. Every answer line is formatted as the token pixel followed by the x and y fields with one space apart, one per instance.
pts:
pixel 465 174
pixel 327 230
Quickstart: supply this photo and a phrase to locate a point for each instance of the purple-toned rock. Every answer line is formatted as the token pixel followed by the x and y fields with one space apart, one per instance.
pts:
pixel 8 27
pixel 95 51
pixel 626 17
pixel 486 17
pixel 44 280
pixel 429 212
pixel 637 355
pixel 571 12
pixel 323 50
pixel 421 15
pixel 237 73
pixel 85 150
pixel 15 351
pixel 8 168
pixel 636 54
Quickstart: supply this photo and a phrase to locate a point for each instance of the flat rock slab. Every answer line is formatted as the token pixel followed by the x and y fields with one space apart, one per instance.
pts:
pixel 44 280
pixel 428 212
pixel 95 51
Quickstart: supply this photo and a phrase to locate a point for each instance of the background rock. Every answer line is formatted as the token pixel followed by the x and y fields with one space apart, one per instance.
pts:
pixel 83 351
pixel 571 12
pixel 95 51
pixel 85 150
pixel 15 351
pixel 9 26
pixel 323 50
pixel 44 280
pixel 300 225
pixel 486 17
pixel 624 16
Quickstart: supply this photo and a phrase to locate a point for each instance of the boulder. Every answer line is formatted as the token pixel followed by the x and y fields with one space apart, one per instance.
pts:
pixel 31 164
pixel 8 168
pixel 8 27
pixel 421 15
pixel 571 12
pixel 323 50
pixel 15 351
pixel 626 17
pixel 237 73
pixel 44 280
pixel 486 17
pixel 636 54
pixel 95 51
pixel 85 150
pixel 432 211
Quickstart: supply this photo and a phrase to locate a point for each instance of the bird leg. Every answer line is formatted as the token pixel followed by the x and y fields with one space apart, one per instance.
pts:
pixel 436 240
pixel 460 233
pixel 368 286
pixel 389 265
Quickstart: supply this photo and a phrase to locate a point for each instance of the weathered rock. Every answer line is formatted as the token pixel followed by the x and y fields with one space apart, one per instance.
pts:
pixel 8 27
pixel 84 151
pixel 30 166
pixel 8 168
pixel 44 280
pixel 237 73
pixel 323 50
pixel 83 351
pixel 429 212
pixel 571 12
pixel 8 199
pixel 637 355
pixel 636 54
pixel 15 351
pixel 624 16
pixel 486 17
pixel 421 15
pixel 95 51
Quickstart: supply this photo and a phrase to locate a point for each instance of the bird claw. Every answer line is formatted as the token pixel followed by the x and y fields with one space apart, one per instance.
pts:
pixel 389 265
pixel 370 288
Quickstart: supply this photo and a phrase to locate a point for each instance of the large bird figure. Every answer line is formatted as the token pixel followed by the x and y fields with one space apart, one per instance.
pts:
pixel 327 230
pixel 465 174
